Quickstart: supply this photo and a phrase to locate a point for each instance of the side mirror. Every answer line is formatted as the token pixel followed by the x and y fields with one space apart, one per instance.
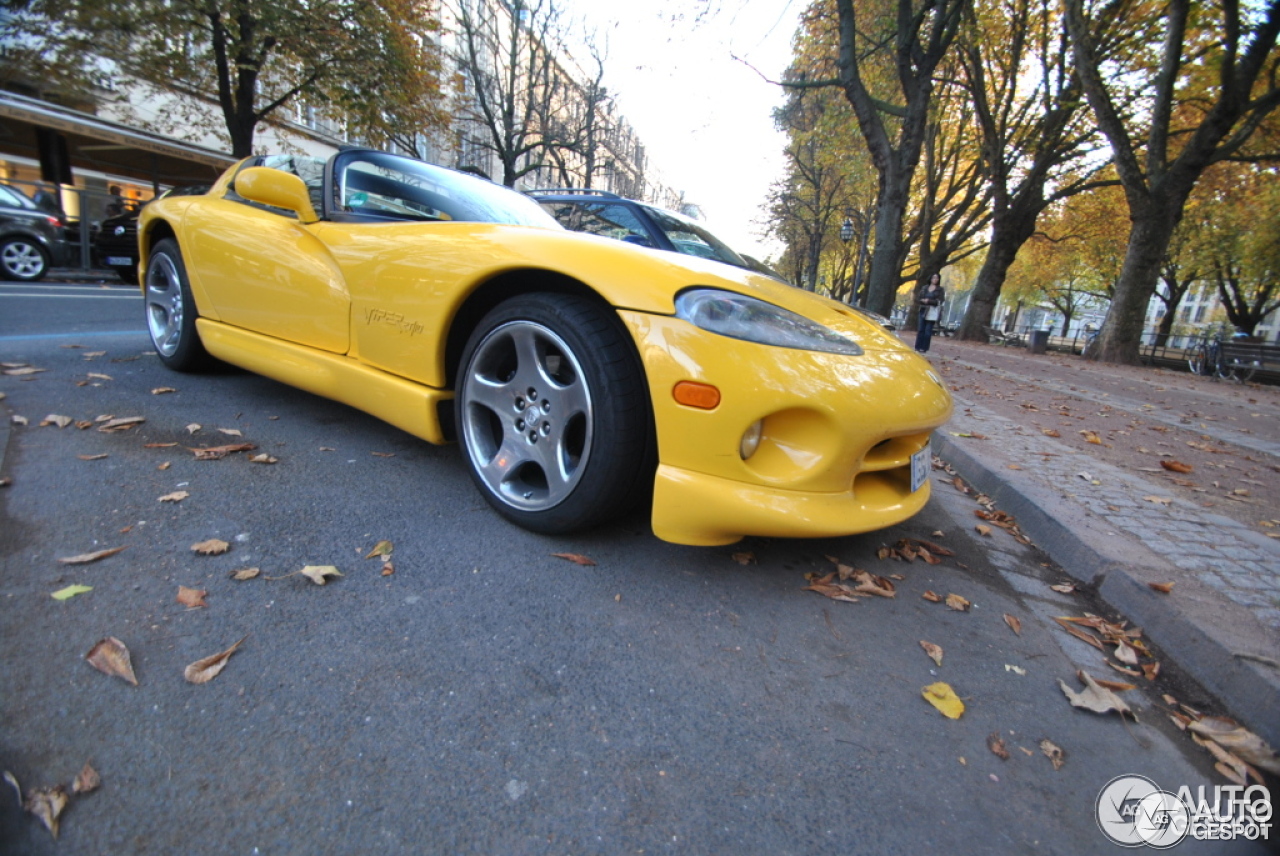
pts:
pixel 277 189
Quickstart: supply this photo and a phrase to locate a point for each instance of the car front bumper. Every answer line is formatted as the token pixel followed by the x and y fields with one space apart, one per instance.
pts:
pixel 837 436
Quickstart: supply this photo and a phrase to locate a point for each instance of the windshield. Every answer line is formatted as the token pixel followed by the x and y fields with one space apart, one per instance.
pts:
pixel 691 239
pixel 401 188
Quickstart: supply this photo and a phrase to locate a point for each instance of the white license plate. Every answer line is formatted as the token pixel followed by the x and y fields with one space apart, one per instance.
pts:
pixel 119 260
pixel 921 465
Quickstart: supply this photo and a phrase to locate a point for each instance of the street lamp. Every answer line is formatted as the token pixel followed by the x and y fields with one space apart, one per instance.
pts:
pixel 846 228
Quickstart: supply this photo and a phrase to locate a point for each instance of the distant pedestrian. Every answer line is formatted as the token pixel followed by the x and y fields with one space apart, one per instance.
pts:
pixel 931 300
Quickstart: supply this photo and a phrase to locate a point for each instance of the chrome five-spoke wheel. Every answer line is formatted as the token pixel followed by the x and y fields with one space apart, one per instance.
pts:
pixel 171 311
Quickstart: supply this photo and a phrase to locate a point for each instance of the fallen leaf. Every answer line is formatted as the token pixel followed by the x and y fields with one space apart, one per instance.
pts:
pixel 1054 753
pixel 194 427
pixel 164 466
pixel 318 573
pixel 158 445
pixel 100 376
pixel 123 424
pixel 382 548
pixel 230 432
pixel 1159 500
pixel 933 597
pixel 1049 432
pixel 111 657
pixel 245 573
pixel 1017 670
pixel 383 454
pixel 1014 623
pixel 212 547
pixel 1126 654
pixel 1163 588
pixel 162 390
pixel 983 530
pixel 263 458
pixel 1092 437
pixel 91 457
pixel 47 804
pixel 23 371
pixel 576 558
pixel 192 598
pixel 387 568
pixel 1175 466
pixel 18 420
pixel 871 584
pixel 216 453
pixel 934 651
pixel 1150 670
pixel 1116 686
pixel 744 558
pixel 1094 697
pixel 70 592
pixel 86 558
pixel 1064 588
pixel 87 781
pixel 203 671
pixel 176 496
pixel 958 603
pixel 996 744
pixel 1243 743
pixel 55 419
pixel 941 696
pixel 13 782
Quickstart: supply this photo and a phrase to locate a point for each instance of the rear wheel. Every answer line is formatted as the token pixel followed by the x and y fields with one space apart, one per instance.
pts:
pixel 553 413
pixel 171 311
pixel 23 259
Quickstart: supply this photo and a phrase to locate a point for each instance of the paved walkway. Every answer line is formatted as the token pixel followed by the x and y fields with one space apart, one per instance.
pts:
pixel 1105 526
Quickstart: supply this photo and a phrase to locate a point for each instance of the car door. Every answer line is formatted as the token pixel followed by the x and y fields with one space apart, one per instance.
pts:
pixel 267 272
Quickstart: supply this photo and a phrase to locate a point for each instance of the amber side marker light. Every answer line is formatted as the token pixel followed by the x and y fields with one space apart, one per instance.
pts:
pixel 700 395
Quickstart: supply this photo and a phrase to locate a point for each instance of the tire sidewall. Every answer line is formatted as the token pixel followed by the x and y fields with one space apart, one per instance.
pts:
pixel 190 354
pixel 39 250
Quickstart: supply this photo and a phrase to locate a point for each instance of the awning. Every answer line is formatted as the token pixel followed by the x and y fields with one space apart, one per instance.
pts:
pixel 100 144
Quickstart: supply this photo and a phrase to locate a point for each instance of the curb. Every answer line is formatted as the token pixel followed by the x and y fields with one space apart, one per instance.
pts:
pixel 1087 554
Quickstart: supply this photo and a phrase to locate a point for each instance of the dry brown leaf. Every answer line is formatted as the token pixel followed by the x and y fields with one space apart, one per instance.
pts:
pixel 192 598
pixel 1159 500
pixel 996 744
pixel 1049 432
pixel 383 454
pixel 1054 753
pixel 216 453
pixel 744 558
pixel 212 547
pixel 387 568
pixel 86 558
pixel 194 427
pixel 576 558
pixel 158 445
pixel 1014 623
pixel 47 804
pixel 1094 697
pixel 164 466
pixel 23 371
pixel 1092 437
pixel 231 432
pixel 1244 744
pixel 1150 670
pixel 55 419
pixel 1126 654
pixel 1116 686
pixel 86 781
pixel 162 390
pixel 1064 588
pixel 1079 634
pixel 958 603
pixel 934 651
pixel 91 457
pixel 1175 466
pixel 203 671
pixel 1163 588
pixel 931 596
pixel 263 458
pixel 983 530
pixel 318 574
pixel 123 424
pixel 111 657
pixel 245 573
pixel 381 549
pixel 1131 672
pixel 176 496
pixel 871 584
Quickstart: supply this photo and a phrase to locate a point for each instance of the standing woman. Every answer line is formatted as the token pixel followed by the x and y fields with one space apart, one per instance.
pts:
pixel 930 311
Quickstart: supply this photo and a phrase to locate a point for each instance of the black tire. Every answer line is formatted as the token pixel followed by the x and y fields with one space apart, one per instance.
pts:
pixel 171 311
pixel 553 413
pixel 23 259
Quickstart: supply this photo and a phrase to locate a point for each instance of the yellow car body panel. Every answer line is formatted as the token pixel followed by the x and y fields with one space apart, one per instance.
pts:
pixel 363 313
pixel 837 437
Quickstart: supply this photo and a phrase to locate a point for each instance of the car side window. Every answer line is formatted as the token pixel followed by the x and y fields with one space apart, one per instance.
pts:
pixel 600 218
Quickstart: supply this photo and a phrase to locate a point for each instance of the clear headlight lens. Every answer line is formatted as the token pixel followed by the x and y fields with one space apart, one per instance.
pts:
pixel 740 317
pixel 751 439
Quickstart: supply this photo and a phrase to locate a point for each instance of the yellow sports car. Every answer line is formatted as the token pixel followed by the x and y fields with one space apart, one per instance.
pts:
pixel 579 374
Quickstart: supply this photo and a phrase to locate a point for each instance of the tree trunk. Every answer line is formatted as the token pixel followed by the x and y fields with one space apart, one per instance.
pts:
pixel 885 274
pixel 1121 334
pixel 1008 233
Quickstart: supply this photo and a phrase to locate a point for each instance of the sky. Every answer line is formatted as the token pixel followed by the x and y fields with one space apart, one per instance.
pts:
pixel 704 117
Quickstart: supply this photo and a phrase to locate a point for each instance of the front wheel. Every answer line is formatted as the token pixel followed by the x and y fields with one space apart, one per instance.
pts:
pixel 171 310
pixel 1199 361
pixel 23 259
pixel 553 413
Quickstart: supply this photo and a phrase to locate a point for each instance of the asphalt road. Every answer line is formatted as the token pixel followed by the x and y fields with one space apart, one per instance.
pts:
pixel 488 697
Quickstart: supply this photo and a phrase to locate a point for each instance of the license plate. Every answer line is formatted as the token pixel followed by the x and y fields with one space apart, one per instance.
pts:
pixel 921 465
pixel 119 260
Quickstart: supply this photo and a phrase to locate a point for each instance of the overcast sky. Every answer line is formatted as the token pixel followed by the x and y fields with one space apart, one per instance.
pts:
pixel 704 117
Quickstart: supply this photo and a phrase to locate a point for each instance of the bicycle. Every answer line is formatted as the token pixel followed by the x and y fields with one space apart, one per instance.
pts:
pixel 1205 360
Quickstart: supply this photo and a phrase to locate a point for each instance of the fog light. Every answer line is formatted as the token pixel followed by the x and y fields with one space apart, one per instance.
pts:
pixel 751 439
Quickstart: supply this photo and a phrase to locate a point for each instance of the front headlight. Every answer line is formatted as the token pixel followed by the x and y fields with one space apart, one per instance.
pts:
pixel 740 317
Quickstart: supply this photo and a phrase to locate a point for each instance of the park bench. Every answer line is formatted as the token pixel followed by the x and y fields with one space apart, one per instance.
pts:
pixel 1240 360
pixel 999 337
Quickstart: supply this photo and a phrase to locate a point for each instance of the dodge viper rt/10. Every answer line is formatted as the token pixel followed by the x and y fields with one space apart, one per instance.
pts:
pixel 578 374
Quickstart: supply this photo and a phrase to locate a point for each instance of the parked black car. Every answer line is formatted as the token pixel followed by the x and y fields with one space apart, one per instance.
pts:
pixel 32 240
pixel 116 244
pixel 599 212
